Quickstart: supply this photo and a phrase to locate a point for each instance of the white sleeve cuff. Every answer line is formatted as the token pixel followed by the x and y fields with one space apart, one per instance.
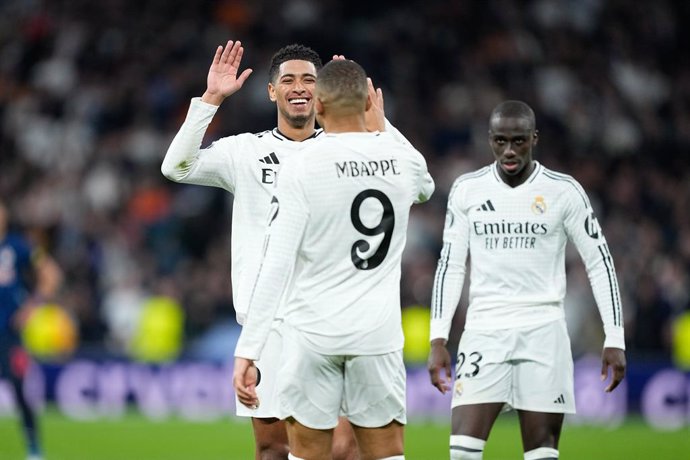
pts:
pixel 615 338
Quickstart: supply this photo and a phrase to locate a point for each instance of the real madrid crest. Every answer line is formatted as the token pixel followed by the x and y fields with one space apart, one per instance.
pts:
pixel 458 388
pixel 539 205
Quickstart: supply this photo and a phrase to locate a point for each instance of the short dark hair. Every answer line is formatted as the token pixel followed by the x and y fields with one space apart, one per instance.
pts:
pixel 291 53
pixel 514 109
pixel 343 83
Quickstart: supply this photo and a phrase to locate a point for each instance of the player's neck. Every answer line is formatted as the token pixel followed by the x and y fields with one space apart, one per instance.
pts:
pixel 518 179
pixel 295 133
pixel 344 124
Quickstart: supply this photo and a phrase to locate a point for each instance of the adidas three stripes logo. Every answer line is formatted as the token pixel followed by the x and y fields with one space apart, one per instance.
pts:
pixel 270 159
pixel 486 206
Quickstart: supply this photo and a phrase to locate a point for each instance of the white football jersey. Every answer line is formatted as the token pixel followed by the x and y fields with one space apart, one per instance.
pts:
pixel 339 217
pixel 516 239
pixel 246 165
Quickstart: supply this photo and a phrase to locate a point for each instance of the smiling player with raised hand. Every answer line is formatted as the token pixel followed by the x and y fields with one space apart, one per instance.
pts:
pixel 247 165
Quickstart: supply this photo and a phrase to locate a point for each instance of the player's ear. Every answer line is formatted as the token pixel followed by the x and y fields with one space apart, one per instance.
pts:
pixel 368 103
pixel 535 137
pixel 318 106
pixel 271 92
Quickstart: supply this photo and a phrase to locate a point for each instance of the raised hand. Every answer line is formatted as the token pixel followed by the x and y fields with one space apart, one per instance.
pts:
pixel 222 80
pixel 375 116
pixel 439 366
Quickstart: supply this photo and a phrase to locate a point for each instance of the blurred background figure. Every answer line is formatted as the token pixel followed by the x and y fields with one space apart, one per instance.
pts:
pixel 28 278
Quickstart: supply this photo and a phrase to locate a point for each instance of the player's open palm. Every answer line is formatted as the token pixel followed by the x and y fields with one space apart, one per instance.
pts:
pixel 223 79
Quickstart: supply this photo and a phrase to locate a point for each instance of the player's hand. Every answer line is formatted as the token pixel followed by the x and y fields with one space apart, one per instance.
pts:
pixel 222 80
pixel 338 57
pixel 244 379
pixel 375 117
pixel 615 359
pixel 439 366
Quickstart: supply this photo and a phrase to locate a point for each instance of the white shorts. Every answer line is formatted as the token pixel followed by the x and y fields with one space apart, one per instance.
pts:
pixel 315 389
pixel 527 368
pixel 269 366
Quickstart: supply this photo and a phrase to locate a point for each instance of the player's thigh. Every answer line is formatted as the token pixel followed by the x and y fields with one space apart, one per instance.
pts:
pixel 544 370
pixel 308 443
pixel 483 371
pixel 539 429
pixel 269 367
pixel 475 420
pixel 270 434
pixel 381 442
pixel 374 390
pixel 310 388
pixel 344 443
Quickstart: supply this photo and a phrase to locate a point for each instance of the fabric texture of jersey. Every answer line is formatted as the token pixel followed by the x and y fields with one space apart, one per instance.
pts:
pixel 516 238
pixel 340 215
pixel 15 262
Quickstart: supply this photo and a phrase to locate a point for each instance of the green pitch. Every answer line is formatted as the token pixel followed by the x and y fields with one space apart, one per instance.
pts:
pixel 135 438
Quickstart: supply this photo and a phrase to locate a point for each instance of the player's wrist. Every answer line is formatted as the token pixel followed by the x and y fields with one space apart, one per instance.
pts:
pixel 438 342
pixel 212 98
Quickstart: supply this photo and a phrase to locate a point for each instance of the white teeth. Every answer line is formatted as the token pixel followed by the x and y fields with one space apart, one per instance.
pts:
pixel 298 101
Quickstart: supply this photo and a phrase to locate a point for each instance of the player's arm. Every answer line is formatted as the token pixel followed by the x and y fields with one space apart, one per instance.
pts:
pixel 584 231
pixel 184 161
pixel 448 282
pixel 287 222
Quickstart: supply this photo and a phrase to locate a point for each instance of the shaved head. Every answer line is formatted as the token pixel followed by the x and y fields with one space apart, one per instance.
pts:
pixel 514 109
pixel 342 85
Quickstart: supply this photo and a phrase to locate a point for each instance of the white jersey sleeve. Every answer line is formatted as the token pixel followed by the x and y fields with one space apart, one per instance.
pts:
pixel 287 220
pixel 186 162
pixel 450 270
pixel 426 183
pixel 584 231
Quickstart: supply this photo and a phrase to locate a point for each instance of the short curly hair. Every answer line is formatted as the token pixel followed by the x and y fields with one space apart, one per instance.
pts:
pixel 291 53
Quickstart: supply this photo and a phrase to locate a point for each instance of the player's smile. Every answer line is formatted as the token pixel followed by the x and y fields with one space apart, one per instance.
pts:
pixel 293 91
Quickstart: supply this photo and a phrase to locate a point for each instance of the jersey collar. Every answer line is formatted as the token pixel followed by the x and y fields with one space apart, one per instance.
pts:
pixel 537 170
pixel 282 137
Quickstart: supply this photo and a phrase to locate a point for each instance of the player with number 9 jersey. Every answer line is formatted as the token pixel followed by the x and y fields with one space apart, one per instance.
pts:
pixel 340 216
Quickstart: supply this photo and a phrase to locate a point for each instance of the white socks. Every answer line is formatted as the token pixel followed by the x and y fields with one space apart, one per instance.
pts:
pixel 542 453
pixel 466 448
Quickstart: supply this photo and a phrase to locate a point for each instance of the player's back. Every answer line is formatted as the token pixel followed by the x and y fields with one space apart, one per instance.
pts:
pixel 358 189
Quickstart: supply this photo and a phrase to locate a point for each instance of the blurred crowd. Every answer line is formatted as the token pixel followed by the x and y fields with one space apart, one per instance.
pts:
pixel 91 94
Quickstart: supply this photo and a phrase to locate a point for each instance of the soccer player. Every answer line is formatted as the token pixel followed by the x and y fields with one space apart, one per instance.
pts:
pixel 339 220
pixel 247 165
pixel 28 276
pixel 513 218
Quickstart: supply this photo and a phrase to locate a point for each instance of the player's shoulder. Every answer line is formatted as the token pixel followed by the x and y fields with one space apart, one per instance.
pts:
pixel 562 183
pixel 469 179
